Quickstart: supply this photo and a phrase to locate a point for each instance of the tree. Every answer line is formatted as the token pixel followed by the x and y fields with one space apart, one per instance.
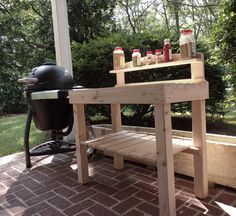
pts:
pixel 89 19
pixel 223 44
pixel 26 35
pixel 26 41
pixel 135 14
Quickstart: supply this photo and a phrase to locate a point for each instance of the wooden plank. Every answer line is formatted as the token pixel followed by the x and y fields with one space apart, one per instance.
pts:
pixel 136 139
pixel 107 140
pixel 142 152
pixel 158 92
pixel 154 66
pixel 82 96
pixel 81 150
pixel 197 69
pixel 118 161
pixel 199 140
pixel 116 117
pixel 130 149
pixel 87 142
pixel 120 79
pixel 165 162
pixel 106 145
pixel 186 92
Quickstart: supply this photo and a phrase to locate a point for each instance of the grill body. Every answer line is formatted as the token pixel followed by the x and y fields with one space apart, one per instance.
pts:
pixel 48 98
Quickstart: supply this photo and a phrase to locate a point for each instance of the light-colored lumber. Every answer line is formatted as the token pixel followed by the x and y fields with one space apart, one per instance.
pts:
pixel 160 148
pixel 129 68
pixel 81 150
pixel 120 79
pixel 116 117
pixel 147 93
pixel 111 140
pixel 165 162
pixel 118 161
pixel 139 138
pixel 199 140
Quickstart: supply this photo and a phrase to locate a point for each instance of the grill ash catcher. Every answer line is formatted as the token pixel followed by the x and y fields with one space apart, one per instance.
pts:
pixel 47 89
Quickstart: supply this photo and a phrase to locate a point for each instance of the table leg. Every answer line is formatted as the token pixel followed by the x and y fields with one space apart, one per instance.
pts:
pixel 116 117
pixel 199 140
pixel 81 150
pixel 165 162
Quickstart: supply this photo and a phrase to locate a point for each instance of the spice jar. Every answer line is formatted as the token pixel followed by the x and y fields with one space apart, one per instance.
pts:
pixel 158 56
pixel 136 58
pixel 150 59
pixel 167 51
pixel 187 44
pixel 118 58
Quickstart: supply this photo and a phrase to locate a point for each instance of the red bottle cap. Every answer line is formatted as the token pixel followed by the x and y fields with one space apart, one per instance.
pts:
pixel 136 50
pixel 186 31
pixel 149 52
pixel 118 48
pixel 158 50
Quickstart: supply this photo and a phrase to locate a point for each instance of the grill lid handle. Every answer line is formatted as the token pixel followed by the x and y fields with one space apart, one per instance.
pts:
pixel 28 80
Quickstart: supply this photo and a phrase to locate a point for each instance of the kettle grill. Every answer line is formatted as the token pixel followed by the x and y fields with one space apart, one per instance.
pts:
pixel 47 89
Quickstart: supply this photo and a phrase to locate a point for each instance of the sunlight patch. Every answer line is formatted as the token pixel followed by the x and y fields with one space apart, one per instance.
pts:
pixel 73 166
pixel 227 208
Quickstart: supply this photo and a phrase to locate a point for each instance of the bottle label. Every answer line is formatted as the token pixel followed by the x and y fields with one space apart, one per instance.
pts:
pixel 170 54
pixel 118 61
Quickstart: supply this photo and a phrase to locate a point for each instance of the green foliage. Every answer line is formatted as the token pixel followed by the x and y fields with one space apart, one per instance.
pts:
pixel 89 19
pixel 26 41
pixel 223 39
pixel 11 93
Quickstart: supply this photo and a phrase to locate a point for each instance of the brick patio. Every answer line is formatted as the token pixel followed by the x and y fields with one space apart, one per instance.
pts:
pixel 51 188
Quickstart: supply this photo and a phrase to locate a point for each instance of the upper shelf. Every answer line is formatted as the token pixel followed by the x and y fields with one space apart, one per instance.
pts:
pixel 176 61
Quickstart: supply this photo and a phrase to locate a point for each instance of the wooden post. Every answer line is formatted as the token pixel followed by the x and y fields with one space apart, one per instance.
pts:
pixel 116 117
pixel 81 150
pixel 165 163
pixel 199 140
pixel 197 70
pixel 118 161
pixel 120 78
pixel 115 108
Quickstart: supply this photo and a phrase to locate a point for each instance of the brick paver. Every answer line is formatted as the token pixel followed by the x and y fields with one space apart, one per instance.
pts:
pixel 51 188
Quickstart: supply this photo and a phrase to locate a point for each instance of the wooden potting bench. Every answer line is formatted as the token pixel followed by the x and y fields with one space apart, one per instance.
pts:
pixel 158 149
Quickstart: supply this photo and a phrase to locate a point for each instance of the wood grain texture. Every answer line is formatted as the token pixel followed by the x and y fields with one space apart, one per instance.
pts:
pixel 81 150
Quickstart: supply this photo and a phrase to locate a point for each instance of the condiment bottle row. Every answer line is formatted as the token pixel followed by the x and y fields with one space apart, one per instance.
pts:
pixel 187 50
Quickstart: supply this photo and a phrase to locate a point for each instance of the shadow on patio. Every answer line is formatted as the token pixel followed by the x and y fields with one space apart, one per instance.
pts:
pixel 51 188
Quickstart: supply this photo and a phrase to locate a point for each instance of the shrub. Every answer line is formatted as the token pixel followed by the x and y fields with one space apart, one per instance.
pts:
pixel 11 94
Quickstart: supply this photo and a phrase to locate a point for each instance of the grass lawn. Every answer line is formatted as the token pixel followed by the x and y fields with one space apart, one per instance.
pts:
pixel 12 130
pixel 12 134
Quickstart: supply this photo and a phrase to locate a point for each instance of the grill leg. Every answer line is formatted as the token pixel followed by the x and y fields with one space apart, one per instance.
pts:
pixel 26 139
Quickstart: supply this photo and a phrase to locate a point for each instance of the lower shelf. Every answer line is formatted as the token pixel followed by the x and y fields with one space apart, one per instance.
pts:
pixel 141 146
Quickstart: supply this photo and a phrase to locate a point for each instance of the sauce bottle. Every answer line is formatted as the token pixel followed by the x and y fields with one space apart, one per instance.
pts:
pixel 136 58
pixel 149 57
pixel 187 44
pixel 167 51
pixel 118 58
pixel 158 56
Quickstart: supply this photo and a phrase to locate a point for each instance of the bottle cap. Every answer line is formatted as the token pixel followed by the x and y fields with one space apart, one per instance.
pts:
pixel 136 50
pixel 149 52
pixel 158 50
pixel 118 48
pixel 167 40
pixel 186 31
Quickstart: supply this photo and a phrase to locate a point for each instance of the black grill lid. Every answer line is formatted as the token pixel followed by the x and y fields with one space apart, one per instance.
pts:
pixel 50 77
